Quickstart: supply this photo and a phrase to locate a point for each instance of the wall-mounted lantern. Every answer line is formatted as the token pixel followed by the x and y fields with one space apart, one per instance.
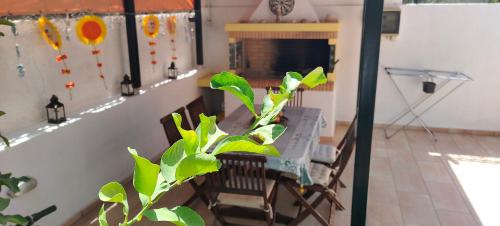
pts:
pixel 173 72
pixel 126 86
pixel 55 111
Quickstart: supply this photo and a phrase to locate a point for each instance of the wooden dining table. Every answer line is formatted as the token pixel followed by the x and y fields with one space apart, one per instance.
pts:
pixel 296 145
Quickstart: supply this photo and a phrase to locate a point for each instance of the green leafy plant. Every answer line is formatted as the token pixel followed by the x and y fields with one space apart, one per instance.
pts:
pixel 190 156
pixel 6 23
pixel 12 183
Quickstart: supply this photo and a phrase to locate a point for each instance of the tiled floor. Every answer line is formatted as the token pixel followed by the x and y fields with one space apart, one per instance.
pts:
pixel 414 181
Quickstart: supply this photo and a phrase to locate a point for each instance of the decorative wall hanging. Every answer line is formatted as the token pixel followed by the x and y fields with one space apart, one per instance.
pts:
pixel 151 27
pixel 20 67
pixel 52 36
pixel 172 29
pixel 91 30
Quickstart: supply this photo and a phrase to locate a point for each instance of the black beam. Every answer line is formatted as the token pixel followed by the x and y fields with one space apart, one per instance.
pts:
pixel 133 48
pixel 199 32
pixel 367 89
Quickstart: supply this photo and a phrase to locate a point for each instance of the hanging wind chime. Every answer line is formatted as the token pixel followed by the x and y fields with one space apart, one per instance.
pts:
pixel 52 36
pixel 151 26
pixel 91 30
pixel 20 67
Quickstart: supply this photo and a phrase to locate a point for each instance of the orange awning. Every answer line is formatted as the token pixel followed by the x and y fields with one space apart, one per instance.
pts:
pixel 29 7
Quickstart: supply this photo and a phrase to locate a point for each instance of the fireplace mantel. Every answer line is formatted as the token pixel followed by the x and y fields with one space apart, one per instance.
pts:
pixel 283 31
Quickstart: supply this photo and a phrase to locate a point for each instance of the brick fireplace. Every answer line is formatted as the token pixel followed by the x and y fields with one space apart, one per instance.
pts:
pixel 263 52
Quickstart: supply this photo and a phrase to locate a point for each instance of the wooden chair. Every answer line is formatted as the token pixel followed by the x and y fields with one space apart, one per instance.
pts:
pixel 195 108
pixel 297 99
pixel 173 136
pixel 325 182
pixel 326 154
pixel 241 182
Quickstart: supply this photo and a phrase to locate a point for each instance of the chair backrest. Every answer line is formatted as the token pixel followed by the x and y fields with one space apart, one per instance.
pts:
pixel 171 131
pixel 243 174
pixel 296 101
pixel 195 108
pixel 351 127
pixel 345 152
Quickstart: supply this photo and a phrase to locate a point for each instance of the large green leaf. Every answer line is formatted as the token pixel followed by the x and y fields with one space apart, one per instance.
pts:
pixel 291 81
pixel 14 219
pixel 102 217
pixel 11 182
pixel 4 203
pixel 195 165
pixel 6 22
pixel 237 86
pixel 114 192
pixel 2 113
pixel 171 159
pixel 268 134
pixel 267 104
pixel 5 140
pixel 180 216
pixel 189 136
pixel 208 132
pixel 279 101
pixel 161 186
pixel 145 174
pixel 314 78
pixel 244 144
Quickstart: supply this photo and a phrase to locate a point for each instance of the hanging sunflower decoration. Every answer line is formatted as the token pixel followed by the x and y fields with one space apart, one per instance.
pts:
pixel 151 27
pixel 172 29
pixel 52 36
pixel 91 30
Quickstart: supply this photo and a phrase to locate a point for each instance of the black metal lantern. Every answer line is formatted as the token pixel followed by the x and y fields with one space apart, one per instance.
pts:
pixel 173 72
pixel 126 86
pixel 55 111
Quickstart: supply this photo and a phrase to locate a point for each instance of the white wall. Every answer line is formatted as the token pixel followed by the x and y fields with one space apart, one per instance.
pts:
pixel 73 160
pixel 24 99
pixel 458 37
pixel 447 37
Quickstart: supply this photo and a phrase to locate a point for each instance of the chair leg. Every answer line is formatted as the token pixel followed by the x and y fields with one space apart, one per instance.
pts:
pixel 306 196
pixel 342 185
pixel 310 208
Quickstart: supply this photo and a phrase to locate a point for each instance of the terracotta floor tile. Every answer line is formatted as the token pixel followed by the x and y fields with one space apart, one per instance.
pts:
pixel 384 215
pixel 446 196
pixel 450 218
pixel 417 209
pixel 435 171
pixel 382 192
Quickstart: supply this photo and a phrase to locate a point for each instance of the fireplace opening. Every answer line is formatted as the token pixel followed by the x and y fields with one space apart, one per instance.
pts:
pixel 301 55
pixel 272 58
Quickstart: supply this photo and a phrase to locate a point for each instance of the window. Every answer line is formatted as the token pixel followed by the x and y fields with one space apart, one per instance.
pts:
pixel 450 1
